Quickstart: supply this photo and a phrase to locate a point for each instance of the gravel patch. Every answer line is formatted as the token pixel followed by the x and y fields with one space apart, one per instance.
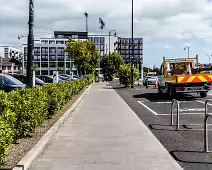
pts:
pixel 23 146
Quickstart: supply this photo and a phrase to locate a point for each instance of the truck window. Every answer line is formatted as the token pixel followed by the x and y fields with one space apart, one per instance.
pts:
pixel 161 70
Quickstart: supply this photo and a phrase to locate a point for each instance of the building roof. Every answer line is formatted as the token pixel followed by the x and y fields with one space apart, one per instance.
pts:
pixel 70 33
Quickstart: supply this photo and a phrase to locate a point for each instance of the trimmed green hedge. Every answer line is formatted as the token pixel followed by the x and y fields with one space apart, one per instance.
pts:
pixel 22 111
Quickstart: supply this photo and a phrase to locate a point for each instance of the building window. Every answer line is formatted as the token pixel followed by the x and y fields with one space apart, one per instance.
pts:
pixel 37 64
pixel 44 72
pixel 59 42
pixel 61 64
pixel 122 41
pixel 130 41
pixel 67 58
pixel 102 47
pixel 52 64
pixel 97 46
pixel 140 41
pixel 96 40
pixel 52 51
pixel 102 53
pixel 37 50
pixel 60 36
pixel 68 65
pixel 52 58
pixel 127 41
pixel 135 41
pixel 6 50
pixel 44 41
pixel 6 55
pixel 36 58
pixel 60 58
pixel 75 36
pixel 44 58
pixel 102 40
pixel 51 42
pixel 44 64
pixel 44 50
pixel 90 39
pixel 60 51
pixel 25 50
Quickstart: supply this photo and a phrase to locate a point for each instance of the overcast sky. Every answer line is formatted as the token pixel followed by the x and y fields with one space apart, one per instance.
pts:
pixel 165 25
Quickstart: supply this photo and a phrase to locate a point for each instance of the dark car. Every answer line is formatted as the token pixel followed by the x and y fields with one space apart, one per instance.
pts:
pixel 23 79
pixel 9 83
pixel 48 79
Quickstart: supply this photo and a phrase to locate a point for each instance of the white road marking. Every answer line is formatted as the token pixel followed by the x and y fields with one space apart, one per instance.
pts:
pixel 182 114
pixel 203 102
pixel 170 102
pixel 195 109
pixel 148 108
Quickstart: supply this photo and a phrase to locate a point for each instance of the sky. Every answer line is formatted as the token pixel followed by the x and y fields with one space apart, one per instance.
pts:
pixel 166 25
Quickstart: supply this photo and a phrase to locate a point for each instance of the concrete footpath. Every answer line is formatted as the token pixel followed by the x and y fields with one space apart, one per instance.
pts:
pixel 103 133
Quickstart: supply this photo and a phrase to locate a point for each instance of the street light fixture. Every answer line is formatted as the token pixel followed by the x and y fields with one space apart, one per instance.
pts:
pixel 132 59
pixel 86 16
pixel 187 47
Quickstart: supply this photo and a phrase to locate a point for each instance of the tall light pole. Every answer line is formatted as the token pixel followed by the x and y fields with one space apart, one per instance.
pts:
pixel 132 58
pixel 109 38
pixel 30 45
pixel 86 17
pixel 209 58
pixel 187 47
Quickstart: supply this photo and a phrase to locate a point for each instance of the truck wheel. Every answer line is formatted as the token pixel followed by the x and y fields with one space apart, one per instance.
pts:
pixel 171 91
pixel 203 94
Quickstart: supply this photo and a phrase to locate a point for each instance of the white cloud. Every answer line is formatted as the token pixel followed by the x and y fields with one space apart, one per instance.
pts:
pixel 169 22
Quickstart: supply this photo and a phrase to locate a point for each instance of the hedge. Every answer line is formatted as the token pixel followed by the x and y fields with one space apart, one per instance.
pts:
pixel 22 111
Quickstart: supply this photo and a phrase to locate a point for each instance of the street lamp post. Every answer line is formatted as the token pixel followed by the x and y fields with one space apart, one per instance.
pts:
pixel 109 38
pixel 188 49
pixel 86 17
pixel 209 58
pixel 132 60
pixel 30 45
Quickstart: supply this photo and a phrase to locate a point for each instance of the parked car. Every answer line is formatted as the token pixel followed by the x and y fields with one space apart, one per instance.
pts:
pixel 23 79
pixel 48 79
pixel 150 79
pixel 9 83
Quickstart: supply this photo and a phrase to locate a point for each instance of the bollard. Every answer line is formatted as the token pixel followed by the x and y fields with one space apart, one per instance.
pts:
pixel 178 114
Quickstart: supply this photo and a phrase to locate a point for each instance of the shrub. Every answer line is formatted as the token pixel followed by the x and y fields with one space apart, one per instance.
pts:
pixel 24 110
pixel 125 74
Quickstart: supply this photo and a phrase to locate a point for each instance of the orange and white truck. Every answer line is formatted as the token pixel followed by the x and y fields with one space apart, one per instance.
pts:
pixel 183 76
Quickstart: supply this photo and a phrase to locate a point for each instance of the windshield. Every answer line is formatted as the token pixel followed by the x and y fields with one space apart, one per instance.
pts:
pixel 39 80
pixel 9 80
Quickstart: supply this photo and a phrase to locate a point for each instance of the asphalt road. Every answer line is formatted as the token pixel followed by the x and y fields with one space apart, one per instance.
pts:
pixel 186 146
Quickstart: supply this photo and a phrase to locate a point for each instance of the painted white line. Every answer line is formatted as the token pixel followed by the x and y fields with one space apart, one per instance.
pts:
pixel 196 109
pixel 148 108
pixel 203 102
pixel 170 102
pixel 182 114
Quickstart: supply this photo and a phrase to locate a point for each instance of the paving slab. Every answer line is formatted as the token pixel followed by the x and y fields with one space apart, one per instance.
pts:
pixel 104 133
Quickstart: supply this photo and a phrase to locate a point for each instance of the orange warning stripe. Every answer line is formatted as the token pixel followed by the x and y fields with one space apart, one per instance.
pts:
pixel 194 79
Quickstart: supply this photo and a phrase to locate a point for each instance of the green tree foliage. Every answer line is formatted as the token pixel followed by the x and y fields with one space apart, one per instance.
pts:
pixel 85 55
pixel 125 74
pixel 111 63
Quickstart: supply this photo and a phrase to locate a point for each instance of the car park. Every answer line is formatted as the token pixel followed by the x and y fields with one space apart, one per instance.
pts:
pixel 9 83
pixel 48 79
pixel 23 79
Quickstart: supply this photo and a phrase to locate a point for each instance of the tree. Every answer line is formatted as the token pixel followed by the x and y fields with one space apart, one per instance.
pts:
pixel 111 64
pixel 125 74
pixel 85 55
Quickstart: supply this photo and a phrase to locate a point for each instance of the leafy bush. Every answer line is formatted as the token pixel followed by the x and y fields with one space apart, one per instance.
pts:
pixel 24 110
pixel 125 75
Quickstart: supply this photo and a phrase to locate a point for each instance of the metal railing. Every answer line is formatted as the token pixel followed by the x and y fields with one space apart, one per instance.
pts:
pixel 207 115
pixel 178 114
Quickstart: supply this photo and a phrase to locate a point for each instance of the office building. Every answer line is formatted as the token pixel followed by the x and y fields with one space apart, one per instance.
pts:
pixel 49 54
pixel 8 52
